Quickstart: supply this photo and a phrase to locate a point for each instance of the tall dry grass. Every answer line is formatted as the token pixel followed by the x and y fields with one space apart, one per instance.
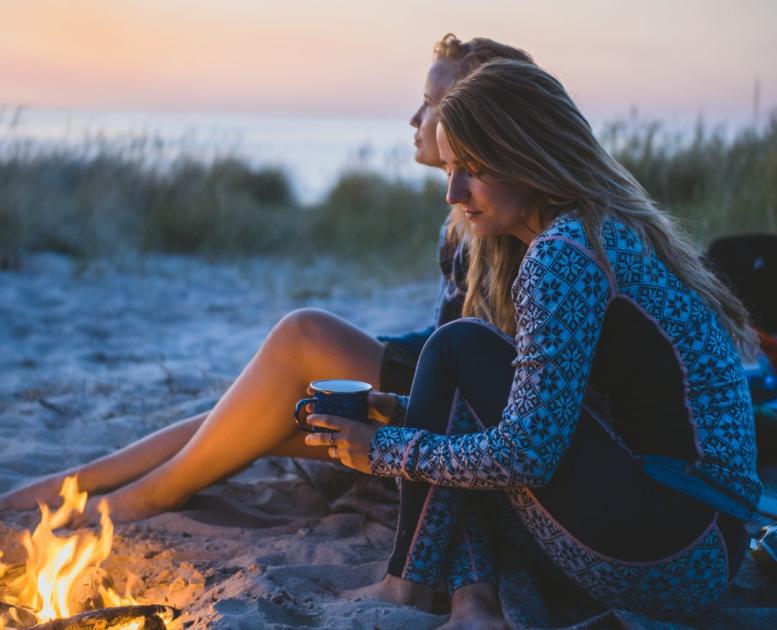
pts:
pixel 108 196
pixel 716 184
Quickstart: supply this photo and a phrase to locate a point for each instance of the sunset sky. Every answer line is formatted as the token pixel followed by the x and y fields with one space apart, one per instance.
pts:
pixel 364 58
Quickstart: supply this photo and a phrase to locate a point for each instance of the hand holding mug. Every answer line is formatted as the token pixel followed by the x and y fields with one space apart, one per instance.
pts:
pixel 338 412
pixel 335 397
pixel 383 406
pixel 348 440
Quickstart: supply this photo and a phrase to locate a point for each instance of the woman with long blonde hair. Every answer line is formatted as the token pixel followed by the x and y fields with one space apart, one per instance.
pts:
pixel 614 417
pixel 254 418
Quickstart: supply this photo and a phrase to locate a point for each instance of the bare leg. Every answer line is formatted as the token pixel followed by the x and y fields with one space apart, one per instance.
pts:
pixel 254 417
pixel 111 471
pixel 318 345
pixel 132 462
pixel 476 607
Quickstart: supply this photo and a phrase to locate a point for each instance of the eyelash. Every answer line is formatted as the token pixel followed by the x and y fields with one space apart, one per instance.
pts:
pixel 470 172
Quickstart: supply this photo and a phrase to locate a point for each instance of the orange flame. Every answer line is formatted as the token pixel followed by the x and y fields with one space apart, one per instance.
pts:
pixel 61 568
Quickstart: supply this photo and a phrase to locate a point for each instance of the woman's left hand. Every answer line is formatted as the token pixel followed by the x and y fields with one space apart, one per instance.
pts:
pixel 350 443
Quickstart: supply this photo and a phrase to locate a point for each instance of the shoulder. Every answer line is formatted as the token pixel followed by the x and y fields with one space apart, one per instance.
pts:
pixel 567 227
pixel 560 259
pixel 562 249
pixel 620 239
pixel 613 234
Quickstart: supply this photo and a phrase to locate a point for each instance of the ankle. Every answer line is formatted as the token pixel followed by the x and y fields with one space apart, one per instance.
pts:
pixel 480 599
pixel 411 593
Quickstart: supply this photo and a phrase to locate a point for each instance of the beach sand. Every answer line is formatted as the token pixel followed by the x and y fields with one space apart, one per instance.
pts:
pixel 94 357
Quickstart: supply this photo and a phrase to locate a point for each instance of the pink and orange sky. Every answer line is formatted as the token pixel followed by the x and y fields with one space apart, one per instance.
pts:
pixel 365 58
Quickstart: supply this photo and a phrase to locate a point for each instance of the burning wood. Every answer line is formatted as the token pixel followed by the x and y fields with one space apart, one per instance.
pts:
pixel 62 577
pixel 21 616
pixel 148 617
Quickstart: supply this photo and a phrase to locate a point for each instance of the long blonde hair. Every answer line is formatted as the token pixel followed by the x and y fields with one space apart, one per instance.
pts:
pixel 466 56
pixel 518 124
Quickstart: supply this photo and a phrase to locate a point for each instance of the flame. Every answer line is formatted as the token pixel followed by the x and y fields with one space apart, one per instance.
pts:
pixel 59 569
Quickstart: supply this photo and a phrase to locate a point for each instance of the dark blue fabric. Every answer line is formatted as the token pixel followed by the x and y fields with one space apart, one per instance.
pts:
pixel 410 342
pixel 400 357
pixel 402 351
pixel 562 296
pixel 599 493
pixel 443 366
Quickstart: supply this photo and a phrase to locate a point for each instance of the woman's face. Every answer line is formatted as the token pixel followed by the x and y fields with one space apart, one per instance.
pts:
pixel 440 77
pixel 490 207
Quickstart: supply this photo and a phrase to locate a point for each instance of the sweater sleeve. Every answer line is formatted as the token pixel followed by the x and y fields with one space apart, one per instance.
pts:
pixel 561 298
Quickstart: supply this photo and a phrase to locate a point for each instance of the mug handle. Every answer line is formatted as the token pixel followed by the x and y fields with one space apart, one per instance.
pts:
pixel 300 404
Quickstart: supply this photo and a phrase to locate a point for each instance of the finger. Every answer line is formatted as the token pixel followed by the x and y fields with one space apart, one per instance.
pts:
pixel 318 439
pixel 333 453
pixel 378 416
pixel 374 397
pixel 334 423
pixel 309 391
pixel 382 406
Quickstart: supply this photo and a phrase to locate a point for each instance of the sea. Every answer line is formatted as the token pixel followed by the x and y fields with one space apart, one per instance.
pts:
pixel 313 151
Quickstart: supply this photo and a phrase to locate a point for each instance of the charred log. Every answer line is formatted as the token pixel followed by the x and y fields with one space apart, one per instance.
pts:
pixel 105 618
pixel 23 617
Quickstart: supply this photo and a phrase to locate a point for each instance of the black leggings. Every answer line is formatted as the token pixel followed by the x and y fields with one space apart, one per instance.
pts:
pixel 598 493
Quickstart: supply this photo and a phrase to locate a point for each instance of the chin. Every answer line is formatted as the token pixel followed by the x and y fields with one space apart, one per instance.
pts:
pixel 427 160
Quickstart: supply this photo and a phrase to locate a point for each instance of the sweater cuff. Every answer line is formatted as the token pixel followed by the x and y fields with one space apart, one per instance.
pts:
pixel 389 451
pixel 400 413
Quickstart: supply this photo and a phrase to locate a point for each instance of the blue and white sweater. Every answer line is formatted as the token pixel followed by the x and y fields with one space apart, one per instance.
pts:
pixel 572 316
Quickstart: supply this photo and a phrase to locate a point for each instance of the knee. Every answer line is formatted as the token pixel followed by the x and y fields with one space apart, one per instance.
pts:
pixel 461 337
pixel 304 327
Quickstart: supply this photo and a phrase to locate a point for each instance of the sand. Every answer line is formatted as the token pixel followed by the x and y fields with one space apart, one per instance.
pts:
pixel 94 357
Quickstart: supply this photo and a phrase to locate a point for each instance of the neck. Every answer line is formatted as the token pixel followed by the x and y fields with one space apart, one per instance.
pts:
pixel 534 223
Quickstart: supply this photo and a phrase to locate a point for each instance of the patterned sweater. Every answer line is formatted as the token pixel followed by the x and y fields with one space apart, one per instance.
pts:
pixel 638 348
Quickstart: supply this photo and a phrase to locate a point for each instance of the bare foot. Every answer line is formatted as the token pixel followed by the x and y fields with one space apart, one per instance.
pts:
pixel 476 607
pixel 119 510
pixel 125 507
pixel 44 490
pixel 397 591
pixel 90 516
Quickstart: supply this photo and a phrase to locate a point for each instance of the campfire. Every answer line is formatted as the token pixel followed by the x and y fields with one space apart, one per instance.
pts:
pixel 62 586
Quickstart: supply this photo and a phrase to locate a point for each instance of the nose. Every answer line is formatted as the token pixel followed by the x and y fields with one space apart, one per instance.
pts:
pixel 415 120
pixel 458 188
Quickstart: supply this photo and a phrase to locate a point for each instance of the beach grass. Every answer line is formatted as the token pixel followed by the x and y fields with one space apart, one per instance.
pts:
pixel 717 184
pixel 103 197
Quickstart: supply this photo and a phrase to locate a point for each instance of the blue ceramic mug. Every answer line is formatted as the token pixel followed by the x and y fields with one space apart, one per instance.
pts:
pixel 336 397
